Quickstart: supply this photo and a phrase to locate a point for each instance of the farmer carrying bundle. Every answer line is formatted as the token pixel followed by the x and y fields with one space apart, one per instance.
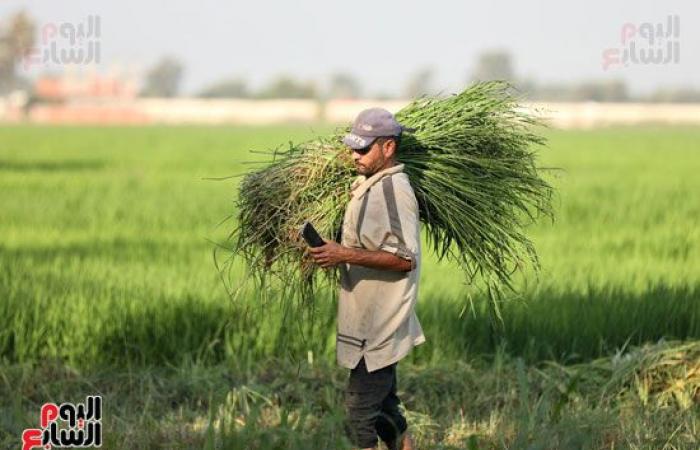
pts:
pixel 464 169
pixel 469 161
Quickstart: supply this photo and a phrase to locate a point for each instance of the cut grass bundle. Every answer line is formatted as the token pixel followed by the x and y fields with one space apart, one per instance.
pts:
pixel 471 166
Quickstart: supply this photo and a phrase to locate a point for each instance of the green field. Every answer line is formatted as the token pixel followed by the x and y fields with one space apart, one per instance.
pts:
pixel 107 284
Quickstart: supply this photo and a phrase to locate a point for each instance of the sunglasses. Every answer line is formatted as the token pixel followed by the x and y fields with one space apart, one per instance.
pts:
pixel 364 150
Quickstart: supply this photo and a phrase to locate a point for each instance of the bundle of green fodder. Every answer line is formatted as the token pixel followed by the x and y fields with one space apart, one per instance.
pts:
pixel 472 167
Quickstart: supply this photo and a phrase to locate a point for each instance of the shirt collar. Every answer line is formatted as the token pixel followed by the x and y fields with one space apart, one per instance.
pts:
pixel 362 183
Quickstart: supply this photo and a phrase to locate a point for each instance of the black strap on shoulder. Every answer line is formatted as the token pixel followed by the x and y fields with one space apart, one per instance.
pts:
pixel 361 216
pixel 393 209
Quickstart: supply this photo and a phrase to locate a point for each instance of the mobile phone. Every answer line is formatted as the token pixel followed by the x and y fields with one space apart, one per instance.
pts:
pixel 311 236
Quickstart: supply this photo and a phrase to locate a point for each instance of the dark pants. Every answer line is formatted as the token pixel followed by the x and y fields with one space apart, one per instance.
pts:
pixel 372 406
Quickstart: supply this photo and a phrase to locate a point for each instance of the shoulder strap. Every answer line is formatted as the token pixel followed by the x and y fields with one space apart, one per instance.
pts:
pixel 392 208
pixel 361 215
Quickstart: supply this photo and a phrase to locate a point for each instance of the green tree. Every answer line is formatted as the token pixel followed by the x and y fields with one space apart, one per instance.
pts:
pixel 343 85
pixel 231 88
pixel 17 37
pixel 685 94
pixel 494 65
pixel 163 80
pixel 419 84
pixel 287 87
pixel 602 91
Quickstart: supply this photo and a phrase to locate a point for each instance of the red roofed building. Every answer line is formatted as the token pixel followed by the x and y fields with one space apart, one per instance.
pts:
pixel 65 87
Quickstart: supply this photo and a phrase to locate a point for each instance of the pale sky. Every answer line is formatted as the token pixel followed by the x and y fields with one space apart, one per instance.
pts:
pixel 382 43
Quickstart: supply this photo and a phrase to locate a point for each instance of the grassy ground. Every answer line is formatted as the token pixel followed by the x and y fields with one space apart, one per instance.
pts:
pixel 107 284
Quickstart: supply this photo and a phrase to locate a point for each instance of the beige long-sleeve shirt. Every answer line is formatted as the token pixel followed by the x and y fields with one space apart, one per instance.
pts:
pixel 376 308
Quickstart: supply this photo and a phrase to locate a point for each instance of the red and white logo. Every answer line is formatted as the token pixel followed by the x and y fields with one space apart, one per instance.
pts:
pixel 67 425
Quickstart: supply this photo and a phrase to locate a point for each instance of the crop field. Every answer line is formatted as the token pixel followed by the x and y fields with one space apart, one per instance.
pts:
pixel 108 285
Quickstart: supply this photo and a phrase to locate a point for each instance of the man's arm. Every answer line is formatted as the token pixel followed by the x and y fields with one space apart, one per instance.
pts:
pixel 333 253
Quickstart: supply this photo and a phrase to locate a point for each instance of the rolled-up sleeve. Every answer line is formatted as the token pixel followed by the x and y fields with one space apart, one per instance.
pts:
pixel 395 225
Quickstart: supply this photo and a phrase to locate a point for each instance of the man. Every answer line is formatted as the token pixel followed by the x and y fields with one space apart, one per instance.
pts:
pixel 379 258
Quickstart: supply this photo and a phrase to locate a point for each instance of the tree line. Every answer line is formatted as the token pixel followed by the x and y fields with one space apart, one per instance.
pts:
pixel 163 79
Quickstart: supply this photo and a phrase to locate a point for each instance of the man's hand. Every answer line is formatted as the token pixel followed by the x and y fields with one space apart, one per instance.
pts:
pixel 330 254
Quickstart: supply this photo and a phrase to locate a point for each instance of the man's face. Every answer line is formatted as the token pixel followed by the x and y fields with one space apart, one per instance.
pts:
pixel 373 159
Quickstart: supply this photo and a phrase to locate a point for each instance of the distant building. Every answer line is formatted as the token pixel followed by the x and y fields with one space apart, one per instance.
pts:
pixel 93 86
pixel 85 98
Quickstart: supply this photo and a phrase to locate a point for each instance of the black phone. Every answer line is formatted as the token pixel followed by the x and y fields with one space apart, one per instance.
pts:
pixel 311 236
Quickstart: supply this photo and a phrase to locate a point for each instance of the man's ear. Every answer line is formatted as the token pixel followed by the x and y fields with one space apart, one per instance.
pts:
pixel 389 148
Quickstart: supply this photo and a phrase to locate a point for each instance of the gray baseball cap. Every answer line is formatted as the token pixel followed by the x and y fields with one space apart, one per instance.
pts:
pixel 371 124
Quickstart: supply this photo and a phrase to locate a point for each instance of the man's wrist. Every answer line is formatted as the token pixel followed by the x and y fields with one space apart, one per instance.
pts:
pixel 349 255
